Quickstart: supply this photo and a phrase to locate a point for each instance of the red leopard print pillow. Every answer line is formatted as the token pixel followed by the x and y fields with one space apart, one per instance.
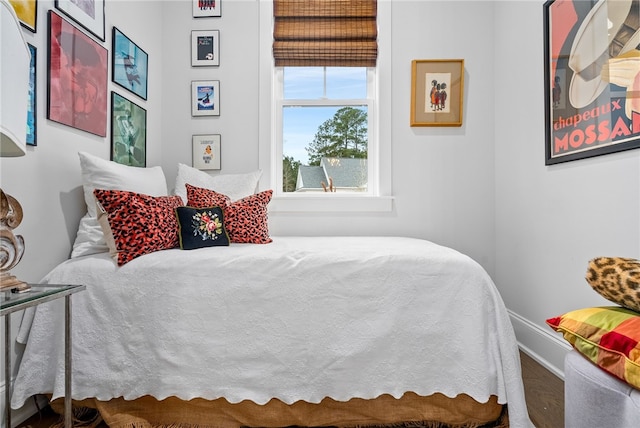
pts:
pixel 245 219
pixel 140 224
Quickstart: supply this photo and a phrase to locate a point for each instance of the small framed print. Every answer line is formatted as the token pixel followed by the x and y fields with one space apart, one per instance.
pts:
pixel 206 151
pixel 205 48
pixel 26 10
pixel 205 98
pixel 437 92
pixel 89 14
pixel 128 132
pixel 129 64
pixel 206 8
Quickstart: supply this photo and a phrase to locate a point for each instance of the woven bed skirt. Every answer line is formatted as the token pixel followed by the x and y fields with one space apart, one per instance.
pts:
pixel 412 410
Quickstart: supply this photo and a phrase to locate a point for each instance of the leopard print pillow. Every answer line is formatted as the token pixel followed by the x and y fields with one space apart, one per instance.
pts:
pixel 245 219
pixel 616 279
pixel 139 224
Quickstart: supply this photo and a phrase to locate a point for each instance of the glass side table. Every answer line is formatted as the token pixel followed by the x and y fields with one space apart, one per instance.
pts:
pixel 39 293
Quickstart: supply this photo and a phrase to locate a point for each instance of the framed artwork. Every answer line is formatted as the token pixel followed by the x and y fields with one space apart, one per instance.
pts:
pixel 27 12
pixel 206 151
pixel 205 48
pixel 206 8
pixel 592 76
pixel 89 14
pixel 32 114
pixel 77 78
pixel 205 98
pixel 129 64
pixel 128 132
pixel 437 92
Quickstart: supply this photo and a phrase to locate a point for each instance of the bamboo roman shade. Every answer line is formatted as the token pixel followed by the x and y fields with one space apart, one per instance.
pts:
pixel 336 33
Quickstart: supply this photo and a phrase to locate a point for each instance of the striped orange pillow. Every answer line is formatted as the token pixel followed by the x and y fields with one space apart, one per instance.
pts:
pixel 609 336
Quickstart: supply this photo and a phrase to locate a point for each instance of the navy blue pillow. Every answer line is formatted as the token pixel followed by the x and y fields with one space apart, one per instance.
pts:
pixel 201 227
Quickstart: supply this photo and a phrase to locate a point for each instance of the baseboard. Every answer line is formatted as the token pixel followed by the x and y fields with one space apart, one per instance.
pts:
pixel 546 347
pixel 20 415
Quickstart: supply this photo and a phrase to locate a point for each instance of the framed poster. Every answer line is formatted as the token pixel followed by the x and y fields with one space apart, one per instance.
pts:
pixel 128 132
pixel 206 151
pixel 205 48
pixel 591 75
pixel 27 12
pixel 32 112
pixel 89 14
pixel 436 92
pixel 77 78
pixel 129 64
pixel 206 8
pixel 205 98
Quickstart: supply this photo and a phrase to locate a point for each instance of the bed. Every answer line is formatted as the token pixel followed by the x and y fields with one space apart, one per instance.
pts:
pixel 306 331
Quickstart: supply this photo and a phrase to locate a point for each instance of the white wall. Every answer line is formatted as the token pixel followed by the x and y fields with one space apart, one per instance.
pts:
pixel 46 181
pixel 439 175
pixel 238 76
pixel 550 220
pixel 481 188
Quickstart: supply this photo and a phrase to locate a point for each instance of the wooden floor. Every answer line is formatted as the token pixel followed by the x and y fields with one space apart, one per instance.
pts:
pixel 544 393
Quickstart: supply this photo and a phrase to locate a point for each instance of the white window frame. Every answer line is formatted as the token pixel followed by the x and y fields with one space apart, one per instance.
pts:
pixel 372 132
pixel 378 197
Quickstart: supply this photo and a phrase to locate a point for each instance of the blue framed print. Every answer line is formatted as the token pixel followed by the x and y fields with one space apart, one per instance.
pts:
pixel 31 108
pixel 205 98
pixel 130 64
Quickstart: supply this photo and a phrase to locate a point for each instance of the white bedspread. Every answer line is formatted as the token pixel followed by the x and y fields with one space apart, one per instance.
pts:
pixel 297 319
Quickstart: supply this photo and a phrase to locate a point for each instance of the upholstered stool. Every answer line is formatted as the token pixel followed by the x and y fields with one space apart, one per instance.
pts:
pixel 595 399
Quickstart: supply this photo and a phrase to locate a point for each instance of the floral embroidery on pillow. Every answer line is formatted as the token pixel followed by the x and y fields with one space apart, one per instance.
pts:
pixel 201 227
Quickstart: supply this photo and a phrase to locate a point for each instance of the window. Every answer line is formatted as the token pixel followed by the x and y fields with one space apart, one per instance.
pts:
pixel 280 58
pixel 325 129
pixel 325 54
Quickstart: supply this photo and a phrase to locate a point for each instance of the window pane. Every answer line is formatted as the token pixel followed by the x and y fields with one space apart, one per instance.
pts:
pixel 303 83
pixel 346 82
pixel 309 83
pixel 326 144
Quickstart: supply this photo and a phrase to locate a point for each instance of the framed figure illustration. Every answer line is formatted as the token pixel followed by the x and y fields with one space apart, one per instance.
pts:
pixel 206 8
pixel 205 98
pixel 437 92
pixel 206 151
pixel 205 48
pixel 77 78
pixel 592 78
pixel 130 64
pixel 128 132
pixel 89 14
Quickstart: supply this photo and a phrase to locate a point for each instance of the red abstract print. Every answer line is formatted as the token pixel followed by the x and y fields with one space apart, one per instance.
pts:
pixel 77 78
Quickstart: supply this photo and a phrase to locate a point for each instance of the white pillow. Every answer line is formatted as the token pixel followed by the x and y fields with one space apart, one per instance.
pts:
pixel 235 186
pixel 89 239
pixel 98 173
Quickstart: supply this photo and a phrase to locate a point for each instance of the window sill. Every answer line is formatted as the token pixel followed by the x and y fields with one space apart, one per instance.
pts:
pixel 324 203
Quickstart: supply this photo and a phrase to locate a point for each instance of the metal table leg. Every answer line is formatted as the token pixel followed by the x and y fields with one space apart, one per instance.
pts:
pixel 7 369
pixel 67 362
